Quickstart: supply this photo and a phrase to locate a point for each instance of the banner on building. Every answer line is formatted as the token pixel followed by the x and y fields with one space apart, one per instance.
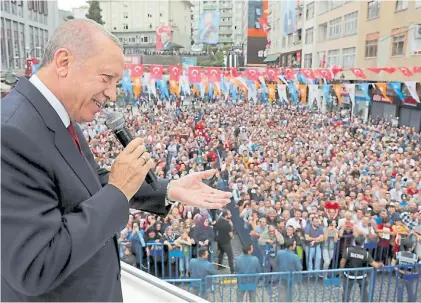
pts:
pixel 208 31
pixel 163 37
pixel 288 14
pixel 257 33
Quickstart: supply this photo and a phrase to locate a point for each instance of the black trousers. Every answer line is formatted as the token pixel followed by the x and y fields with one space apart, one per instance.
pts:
pixel 226 249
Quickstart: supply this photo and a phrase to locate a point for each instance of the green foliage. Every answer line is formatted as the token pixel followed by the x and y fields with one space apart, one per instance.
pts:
pixel 94 12
pixel 216 60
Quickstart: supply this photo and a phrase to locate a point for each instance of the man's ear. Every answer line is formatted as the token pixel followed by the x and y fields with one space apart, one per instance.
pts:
pixel 62 61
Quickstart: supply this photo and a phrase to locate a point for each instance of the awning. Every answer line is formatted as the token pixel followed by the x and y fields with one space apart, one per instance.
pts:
pixel 271 58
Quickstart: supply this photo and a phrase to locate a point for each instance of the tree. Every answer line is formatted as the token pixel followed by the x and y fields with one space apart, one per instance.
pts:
pixel 68 18
pixel 94 12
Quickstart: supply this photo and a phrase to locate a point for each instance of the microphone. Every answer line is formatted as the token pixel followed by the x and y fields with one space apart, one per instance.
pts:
pixel 115 122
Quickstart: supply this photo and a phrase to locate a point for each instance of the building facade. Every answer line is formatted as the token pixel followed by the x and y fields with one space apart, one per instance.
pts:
pixel 232 20
pixel 348 34
pixel 135 22
pixel 25 29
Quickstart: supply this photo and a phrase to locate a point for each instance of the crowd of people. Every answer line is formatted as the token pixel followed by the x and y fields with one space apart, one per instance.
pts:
pixel 310 180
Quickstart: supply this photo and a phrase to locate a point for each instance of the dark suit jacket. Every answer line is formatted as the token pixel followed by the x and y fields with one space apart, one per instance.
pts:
pixel 59 218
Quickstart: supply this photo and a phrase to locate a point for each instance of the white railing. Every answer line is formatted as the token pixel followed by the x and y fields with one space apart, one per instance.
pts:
pixel 139 286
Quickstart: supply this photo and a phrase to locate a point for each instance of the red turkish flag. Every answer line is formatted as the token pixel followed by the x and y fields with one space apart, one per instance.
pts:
pixel 252 74
pixel 194 73
pixel 213 73
pixel 289 73
pixel 156 71
pixel 389 70
pixel 358 72
pixel 325 73
pixel 375 70
pixel 417 69
pixel 406 71
pixel 234 72
pixel 137 70
pixel 175 72
pixel 308 73
pixel 272 73
pixel 336 70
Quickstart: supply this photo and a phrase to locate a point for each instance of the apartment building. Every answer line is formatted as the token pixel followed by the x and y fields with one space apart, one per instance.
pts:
pixel 135 22
pixel 232 23
pixel 349 34
pixel 25 29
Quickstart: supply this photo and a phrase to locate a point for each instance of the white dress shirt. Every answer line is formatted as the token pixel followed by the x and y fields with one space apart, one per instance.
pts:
pixel 54 102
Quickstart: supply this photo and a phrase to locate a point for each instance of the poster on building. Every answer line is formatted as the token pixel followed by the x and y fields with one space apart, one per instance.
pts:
pixel 188 61
pixel 257 33
pixel 288 14
pixel 208 31
pixel 163 37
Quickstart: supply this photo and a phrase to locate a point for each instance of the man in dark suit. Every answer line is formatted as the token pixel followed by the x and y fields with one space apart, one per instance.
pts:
pixel 60 212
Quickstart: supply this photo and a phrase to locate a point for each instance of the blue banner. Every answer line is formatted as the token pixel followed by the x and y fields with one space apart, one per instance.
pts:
pixel 397 87
pixel 326 92
pixel 364 88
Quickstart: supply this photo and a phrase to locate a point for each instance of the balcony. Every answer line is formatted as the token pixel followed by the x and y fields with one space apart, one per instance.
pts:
pixel 209 6
pixel 138 286
pixel 225 23
pixel 226 14
pixel 225 5
pixel 225 30
pixel 223 39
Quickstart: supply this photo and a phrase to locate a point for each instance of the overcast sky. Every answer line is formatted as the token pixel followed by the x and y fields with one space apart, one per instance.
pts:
pixel 69 4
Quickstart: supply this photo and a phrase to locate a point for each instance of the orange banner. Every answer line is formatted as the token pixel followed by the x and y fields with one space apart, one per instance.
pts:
pixel 271 92
pixel 382 87
pixel 303 93
pixel 338 91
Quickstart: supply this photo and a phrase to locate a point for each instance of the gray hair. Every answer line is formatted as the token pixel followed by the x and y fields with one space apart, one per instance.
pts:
pixel 79 36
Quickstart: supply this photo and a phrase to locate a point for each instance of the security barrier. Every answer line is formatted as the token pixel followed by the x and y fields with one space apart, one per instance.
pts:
pixel 388 284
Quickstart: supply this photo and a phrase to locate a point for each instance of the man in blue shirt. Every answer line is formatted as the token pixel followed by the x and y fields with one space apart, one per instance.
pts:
pixel 287 261
pixel 199 269
pixel 247 264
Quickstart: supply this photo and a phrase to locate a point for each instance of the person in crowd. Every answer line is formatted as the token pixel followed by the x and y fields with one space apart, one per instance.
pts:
pixel 184 243
pixel 128 257
pixel 247 264
pixel 287 261
pixel 314 236
pixel 330 238
pixel 357 257
pixel 200 268
pixel 409 258
pixel 224 234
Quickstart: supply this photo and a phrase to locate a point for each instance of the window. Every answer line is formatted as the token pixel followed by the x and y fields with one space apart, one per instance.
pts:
pixel 335 28
pixel 371 46
pixel 289 40
pixel 348 57
pixel 310 11
pixel 401 5
pixel 321 59
pixel 322 33
pixel 373 9
pixel 284 42
pixel 398 45
pixel 125 26
pixel 334 57
pixel 336 3
pixel 351 23
pixel 323 6
pixel 308 60
pixel 417 3
pixel 125 15
pixel 149 15
pixel 309 36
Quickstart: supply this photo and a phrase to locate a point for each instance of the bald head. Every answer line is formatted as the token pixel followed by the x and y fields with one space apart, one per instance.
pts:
pixel 79 36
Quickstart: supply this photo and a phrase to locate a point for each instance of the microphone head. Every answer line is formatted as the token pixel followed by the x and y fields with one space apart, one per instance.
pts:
pixel 114 120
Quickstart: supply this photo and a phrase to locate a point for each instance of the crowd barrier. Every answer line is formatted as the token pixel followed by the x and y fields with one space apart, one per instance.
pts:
pixel 165 263
pixel 388 284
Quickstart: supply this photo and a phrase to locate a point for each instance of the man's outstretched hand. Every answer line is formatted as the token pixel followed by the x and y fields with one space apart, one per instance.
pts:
pixel 191 191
